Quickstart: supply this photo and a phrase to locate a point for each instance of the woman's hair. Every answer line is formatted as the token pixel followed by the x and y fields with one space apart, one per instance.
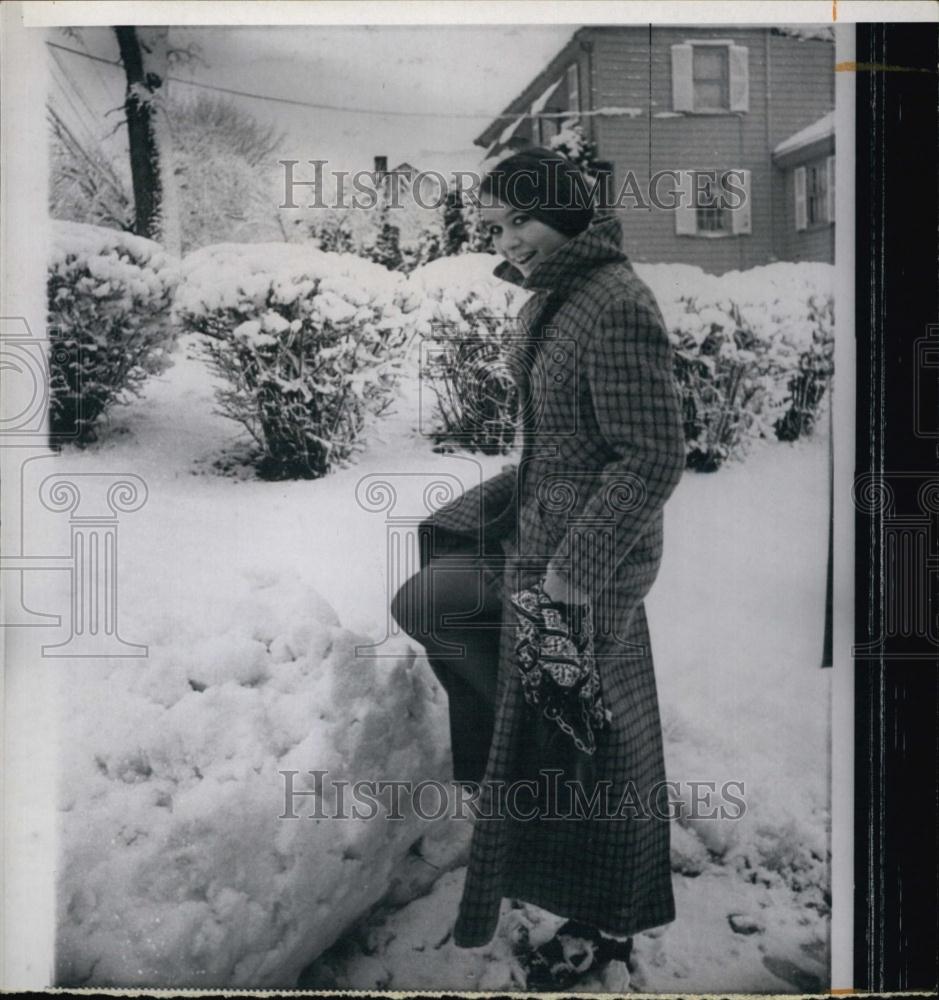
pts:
pixel 545 185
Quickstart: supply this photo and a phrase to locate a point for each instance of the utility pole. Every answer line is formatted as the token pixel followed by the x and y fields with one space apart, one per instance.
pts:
pixel 145 61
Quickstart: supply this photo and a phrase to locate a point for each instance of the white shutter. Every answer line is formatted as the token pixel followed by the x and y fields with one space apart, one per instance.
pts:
pixel 798 177
pixel 740 221
pixel 686 215
pixel 830 189
pixel 682 78
pixel 739 78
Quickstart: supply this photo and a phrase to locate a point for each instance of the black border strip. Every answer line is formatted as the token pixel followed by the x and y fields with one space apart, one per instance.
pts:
pixel 896 685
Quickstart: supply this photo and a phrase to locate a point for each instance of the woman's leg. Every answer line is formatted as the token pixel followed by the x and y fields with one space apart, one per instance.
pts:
pixel 464 653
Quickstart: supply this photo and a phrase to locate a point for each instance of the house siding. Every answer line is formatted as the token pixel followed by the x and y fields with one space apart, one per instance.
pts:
pixel 629 72
pixel 796 105
pixel 791 85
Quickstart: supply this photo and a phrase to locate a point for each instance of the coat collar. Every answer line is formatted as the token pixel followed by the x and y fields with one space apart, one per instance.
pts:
pixel 596 245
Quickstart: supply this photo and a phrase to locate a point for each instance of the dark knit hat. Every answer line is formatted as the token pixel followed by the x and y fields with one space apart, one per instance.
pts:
pixel 544 184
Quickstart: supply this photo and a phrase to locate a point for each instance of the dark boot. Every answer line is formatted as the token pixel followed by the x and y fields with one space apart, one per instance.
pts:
pixel 574 953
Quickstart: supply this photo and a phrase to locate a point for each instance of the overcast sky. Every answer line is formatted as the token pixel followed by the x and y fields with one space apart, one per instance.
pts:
pixel 445 70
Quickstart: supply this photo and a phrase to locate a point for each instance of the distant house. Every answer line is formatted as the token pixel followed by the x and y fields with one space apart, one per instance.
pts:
pixel 431 185
pixel 405 170
pixel 698 102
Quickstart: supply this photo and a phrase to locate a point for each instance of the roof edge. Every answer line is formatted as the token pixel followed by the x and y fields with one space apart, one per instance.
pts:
pixel 520 103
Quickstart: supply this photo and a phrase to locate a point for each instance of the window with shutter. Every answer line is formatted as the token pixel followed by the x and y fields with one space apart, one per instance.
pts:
pixel 710 77
pixel 710 214
pixel 814 193
pixel 798 177
pixel 713 203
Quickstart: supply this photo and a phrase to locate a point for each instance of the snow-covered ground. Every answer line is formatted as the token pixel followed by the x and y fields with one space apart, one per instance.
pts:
pixel 253 597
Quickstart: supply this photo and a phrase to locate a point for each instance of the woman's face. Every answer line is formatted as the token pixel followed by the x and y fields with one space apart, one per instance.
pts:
pixel 522 240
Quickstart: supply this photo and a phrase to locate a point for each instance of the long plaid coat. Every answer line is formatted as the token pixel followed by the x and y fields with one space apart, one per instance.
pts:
pixel 603 449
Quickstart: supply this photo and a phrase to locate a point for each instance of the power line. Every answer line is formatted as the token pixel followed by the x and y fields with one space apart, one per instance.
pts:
pixel 290 100
pixel 76 90
pixel 67 94
pixel 381 112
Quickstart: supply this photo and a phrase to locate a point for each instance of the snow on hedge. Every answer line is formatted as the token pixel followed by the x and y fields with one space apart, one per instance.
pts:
pixel 230 274
pixel 775 300
pixel 454 292
pixel 753 350
pixel 308 344
pixel 140 264
pixel 109 296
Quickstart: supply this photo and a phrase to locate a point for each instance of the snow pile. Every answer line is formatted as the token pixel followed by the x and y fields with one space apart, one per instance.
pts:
pixel 177 868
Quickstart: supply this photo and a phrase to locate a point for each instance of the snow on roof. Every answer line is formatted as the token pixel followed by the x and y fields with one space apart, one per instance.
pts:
pixel 807 32
pixel 511 129
pixel 540 103
pixel 821 129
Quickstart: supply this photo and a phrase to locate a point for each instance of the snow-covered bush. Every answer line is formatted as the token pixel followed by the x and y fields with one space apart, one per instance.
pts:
pixel 87 183
pixel 753 352
pixel 307 342
pixel 574 144
pixel 816 367
pixel 465 316
pixel 728 385
pixel 109 296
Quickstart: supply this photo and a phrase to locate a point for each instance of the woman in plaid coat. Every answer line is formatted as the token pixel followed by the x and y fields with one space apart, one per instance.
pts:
pixel 581 513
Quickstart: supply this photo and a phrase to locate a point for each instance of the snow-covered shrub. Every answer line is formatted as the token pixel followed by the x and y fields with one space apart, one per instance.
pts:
pixel 306 342
pixel 574 144
pixel 753 352
pixel 385 247
pixel 731 386
pixel 87 183
pixel 816 367
pixel 228 177
pixel 464 315
pixel 109 296
pixel 401 232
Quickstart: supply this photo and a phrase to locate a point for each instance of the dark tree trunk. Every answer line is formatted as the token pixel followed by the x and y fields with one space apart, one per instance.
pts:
pixel 144 163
